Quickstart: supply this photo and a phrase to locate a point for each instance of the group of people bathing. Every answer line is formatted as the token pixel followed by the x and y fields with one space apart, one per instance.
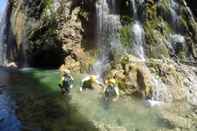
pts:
pixel 110 88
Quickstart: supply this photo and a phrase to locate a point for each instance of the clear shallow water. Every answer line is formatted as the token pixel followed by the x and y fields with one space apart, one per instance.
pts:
pixel 39 87
pixel 126 112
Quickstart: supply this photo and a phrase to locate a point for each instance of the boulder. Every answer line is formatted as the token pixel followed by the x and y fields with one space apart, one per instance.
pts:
pixel 176 121
pixel 134 77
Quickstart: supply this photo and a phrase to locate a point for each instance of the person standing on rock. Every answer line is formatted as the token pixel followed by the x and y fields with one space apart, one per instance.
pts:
pixel 111 92
pixel 66 82
pixel 91 82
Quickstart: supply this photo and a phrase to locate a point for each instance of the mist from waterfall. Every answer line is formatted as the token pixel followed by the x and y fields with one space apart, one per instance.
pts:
pixel 138 31
pixel 3 24
pixel 108 24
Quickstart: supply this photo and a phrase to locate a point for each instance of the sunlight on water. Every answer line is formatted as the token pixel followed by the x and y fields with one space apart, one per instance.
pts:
pixel 126 112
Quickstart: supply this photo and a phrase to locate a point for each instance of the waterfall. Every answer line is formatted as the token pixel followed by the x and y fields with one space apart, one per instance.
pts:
pixel 173 9
pixel 160 90
pixel 108 24
pixel 3 24
pixel 134 8
pixel 138 31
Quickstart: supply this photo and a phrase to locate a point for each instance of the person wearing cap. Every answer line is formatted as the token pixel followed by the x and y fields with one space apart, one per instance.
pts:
pixel 90 82
pixel 111 92
pixel 66 82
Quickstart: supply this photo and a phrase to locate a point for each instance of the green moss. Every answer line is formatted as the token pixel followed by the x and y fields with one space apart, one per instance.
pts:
pixel 151 11
pixel 126 36
pixel 156 32
pixel 48 3
pixel 164 10
pixel 126 20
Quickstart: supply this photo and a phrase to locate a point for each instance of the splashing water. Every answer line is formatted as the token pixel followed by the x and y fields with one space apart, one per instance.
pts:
pixel 160 90
pixel 177 38
pixel 125 114
pixel 100 66
pixel 3 23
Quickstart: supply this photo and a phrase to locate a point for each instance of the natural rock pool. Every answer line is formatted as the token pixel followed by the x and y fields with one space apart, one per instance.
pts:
pixel 41 107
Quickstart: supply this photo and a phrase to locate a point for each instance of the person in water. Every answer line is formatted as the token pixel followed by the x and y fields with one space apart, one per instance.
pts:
pixel 111 92
pixel 66 82
pixel 91 82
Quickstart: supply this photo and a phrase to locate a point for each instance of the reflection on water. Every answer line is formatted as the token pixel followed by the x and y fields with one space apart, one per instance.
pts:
pixel 8 120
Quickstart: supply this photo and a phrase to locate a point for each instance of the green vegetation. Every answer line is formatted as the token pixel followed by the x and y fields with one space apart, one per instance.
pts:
pixel 156 36
pixel 126 36
pixel 126 20
pixel 164 9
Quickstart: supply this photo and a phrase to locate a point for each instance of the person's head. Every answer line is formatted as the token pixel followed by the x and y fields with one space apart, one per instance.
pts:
pixel 93 78
pixel 112 81
pixel 66 72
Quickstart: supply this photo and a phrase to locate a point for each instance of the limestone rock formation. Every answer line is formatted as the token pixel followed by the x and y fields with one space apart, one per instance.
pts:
pixel 54 33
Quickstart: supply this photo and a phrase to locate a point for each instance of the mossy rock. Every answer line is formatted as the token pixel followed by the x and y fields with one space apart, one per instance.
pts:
pixel 126 36
pixel 156 33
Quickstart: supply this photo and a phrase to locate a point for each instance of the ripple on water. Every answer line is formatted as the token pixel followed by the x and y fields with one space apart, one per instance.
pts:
pixel 8 120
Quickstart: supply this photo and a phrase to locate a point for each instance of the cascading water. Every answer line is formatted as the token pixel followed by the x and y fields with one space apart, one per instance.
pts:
pixel 173 9
pixel 160 90
pixel 107 38
pixel 3 24
pixel 138 32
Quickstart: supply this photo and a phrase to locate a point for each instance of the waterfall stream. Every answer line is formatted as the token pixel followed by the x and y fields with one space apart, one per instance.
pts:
pixel 3 24
pixel 173 9
pixel 108 24
pixel 8 120
pixel 138 32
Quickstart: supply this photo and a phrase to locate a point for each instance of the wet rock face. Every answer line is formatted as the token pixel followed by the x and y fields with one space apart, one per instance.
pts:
pixel 34 7
pixel 48 31
pixel 133 77
pixel 162 80
pixel 192 5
